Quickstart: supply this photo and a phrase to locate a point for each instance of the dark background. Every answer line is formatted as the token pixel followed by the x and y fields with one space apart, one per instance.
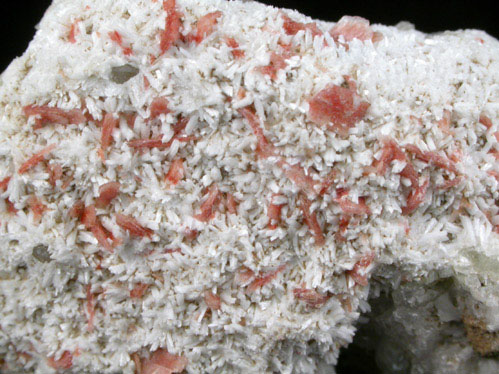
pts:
pixel 19 17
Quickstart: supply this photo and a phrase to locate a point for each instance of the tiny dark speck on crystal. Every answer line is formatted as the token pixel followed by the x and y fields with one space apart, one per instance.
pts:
pixel 123 73
pixel 41 253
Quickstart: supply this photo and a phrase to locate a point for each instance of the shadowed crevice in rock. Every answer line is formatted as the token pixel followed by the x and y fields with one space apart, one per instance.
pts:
pixel 358 359
pixel 419 327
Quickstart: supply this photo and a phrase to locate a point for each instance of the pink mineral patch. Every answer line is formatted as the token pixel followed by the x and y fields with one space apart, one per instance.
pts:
pixel 244 276
pixel 25 356
pixel 176 172
pixel 64 362
pixel 130 118
pixel 343 227
pixel 180 126
pixel 171 34
pixel 264 148
pixel 338 108
pixel 205 26
pixel 116 37
pixel 107 192
pixel 359 271
pixel 311 221
pixel 484 120
pixel 147 84
pixel 444 123
pixel 231 203
pixel 149 143
pixel 212 301
pixel 133 227
pixel 162 362
pixel 274 213
pixel 89 216
pixel 37 207
pixel 495 153
pixel 391 151
pixel 90 308
pixel 36 159
pixel 432 157
pixel 209 205
pixel 277 62
pixel 416 198
pixel 299 176
pixel 236 51
pixel 352 28
pixel 139 290
pixel 4 183
pixel 350 208
pixel 159 106
pixel 494 174
pixel 327 182
pixel 92 224
pixel 10 207
pixel 292 27
pixel 55 173
pixel 266 278
pixel 77 209
pixel 109 123
pixel 73 31
pixel 449 183
pixel 44 115
pixel 190 234
pixel 410 173
pixel 312 298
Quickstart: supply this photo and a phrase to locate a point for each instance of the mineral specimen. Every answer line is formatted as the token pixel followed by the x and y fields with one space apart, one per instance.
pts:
pixel 225 187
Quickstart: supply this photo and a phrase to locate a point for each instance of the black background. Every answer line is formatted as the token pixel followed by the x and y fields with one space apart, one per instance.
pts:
pixel 19 17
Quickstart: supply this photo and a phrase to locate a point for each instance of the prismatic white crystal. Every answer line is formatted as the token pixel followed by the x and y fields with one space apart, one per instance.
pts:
pixel 227 187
